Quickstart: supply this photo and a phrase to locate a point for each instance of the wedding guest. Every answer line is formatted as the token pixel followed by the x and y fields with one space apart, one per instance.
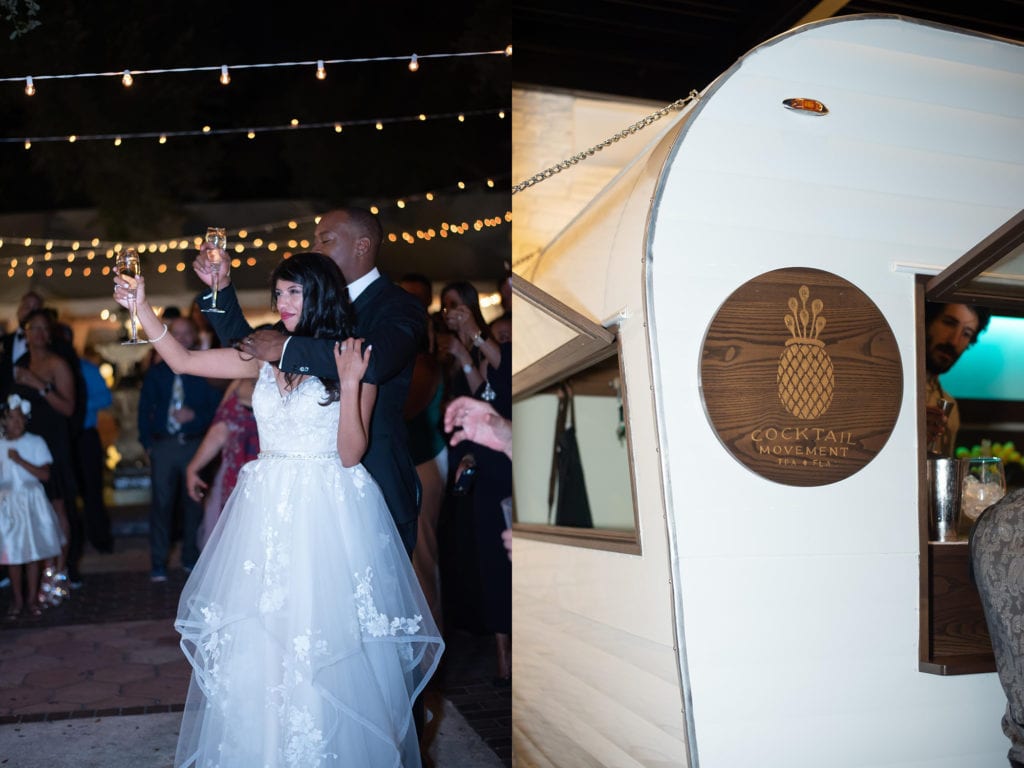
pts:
pixel 471 342
pixel 89 451
pixel 477 506
pixel 233 437
pixel 29 530
pixel 428 450
pixel 469 419
pixel 46 380
pixel 175 411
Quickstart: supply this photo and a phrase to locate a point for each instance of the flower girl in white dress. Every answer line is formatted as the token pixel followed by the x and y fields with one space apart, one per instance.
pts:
pixel 305 626
pixel 29 529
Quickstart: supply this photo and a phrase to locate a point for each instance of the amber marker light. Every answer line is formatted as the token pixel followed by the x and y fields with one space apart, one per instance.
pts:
pixel 808 106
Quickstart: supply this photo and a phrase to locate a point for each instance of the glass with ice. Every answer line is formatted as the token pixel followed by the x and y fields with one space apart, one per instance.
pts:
pixel 984 485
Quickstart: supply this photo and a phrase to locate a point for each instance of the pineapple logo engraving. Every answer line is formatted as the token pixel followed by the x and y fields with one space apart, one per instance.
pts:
pixel 805 377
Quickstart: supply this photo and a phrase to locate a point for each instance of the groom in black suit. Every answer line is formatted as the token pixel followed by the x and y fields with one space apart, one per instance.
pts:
pixel 387 317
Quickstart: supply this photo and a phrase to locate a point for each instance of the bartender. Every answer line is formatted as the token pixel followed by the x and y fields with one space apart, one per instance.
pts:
pixel 949 330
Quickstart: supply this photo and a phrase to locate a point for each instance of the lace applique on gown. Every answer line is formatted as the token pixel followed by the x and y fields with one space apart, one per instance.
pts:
pixel 305 626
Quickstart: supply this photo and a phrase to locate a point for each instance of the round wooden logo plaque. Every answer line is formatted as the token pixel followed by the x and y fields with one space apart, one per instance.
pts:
pixel 801 377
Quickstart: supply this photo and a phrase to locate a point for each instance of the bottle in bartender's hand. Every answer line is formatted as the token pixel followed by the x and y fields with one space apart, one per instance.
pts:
pixel 935 447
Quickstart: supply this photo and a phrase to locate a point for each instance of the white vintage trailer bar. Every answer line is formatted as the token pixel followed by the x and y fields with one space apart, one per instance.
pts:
pixel 751 622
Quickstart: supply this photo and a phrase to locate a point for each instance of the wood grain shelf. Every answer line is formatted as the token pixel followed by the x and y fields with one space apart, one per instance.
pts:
pixel 958 642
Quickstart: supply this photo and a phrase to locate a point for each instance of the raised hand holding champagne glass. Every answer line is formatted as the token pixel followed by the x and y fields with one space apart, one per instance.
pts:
pixel 216 237
pixel 129 266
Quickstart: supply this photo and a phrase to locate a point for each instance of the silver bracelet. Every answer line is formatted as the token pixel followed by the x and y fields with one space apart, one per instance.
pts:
pixel 153 341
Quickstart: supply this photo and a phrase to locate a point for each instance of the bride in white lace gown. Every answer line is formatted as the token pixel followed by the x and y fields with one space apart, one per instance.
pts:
pixel 305 626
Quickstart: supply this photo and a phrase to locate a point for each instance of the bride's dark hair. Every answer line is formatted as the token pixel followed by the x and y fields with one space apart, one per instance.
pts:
pixel 326 309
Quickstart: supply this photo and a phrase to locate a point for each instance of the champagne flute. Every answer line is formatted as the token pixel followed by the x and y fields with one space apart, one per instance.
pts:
pixel 215 236
pixel 128 265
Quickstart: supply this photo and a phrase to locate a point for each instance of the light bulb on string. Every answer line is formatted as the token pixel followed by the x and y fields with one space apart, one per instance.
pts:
pixel 28 144
pixel 508 49
pixel 127 79
pixel 321 73
pixel 414 63
pixel 30 87
pixel 225 78
pixel 117 142
pixel 337 127
pixel 380 126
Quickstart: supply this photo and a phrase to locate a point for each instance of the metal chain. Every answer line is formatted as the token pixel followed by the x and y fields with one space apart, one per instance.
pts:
pixel 625 132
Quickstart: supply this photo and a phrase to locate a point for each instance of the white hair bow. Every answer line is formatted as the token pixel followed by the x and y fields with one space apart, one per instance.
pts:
pixel 15 402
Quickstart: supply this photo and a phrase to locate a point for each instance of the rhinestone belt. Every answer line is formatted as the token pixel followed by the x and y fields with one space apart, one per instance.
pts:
pixel 297 455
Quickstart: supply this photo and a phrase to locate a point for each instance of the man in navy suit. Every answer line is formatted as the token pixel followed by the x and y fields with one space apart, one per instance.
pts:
pixel 13 345
pixel 387 317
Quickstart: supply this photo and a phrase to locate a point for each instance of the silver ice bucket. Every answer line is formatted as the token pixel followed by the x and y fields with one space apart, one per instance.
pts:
pixel 945 491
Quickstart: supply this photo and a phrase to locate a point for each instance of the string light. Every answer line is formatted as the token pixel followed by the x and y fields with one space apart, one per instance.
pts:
pixel 414 63
pixel 225 78
pixel 206 130
pixel 241 245
pixel 126 79
pixel 126 75
pixel 28 144
pixel 508 49
pixel 321 73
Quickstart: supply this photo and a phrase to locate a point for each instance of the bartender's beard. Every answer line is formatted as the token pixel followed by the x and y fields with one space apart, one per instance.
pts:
pixel 936 366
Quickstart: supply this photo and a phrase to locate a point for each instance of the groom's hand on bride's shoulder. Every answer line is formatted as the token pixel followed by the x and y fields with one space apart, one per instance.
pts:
pixel 263 345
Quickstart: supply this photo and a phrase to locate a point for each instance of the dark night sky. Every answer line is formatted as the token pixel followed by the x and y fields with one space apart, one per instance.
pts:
pixel 141 188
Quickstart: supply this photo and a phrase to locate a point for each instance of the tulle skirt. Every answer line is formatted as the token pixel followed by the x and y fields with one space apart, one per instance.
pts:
pixel 304 624
pixel 29 529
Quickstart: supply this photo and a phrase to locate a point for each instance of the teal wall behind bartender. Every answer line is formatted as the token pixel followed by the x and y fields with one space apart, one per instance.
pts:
pixel 993 369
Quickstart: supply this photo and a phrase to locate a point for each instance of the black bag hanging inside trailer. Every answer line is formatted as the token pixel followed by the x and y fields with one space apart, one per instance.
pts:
pixel 567 490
